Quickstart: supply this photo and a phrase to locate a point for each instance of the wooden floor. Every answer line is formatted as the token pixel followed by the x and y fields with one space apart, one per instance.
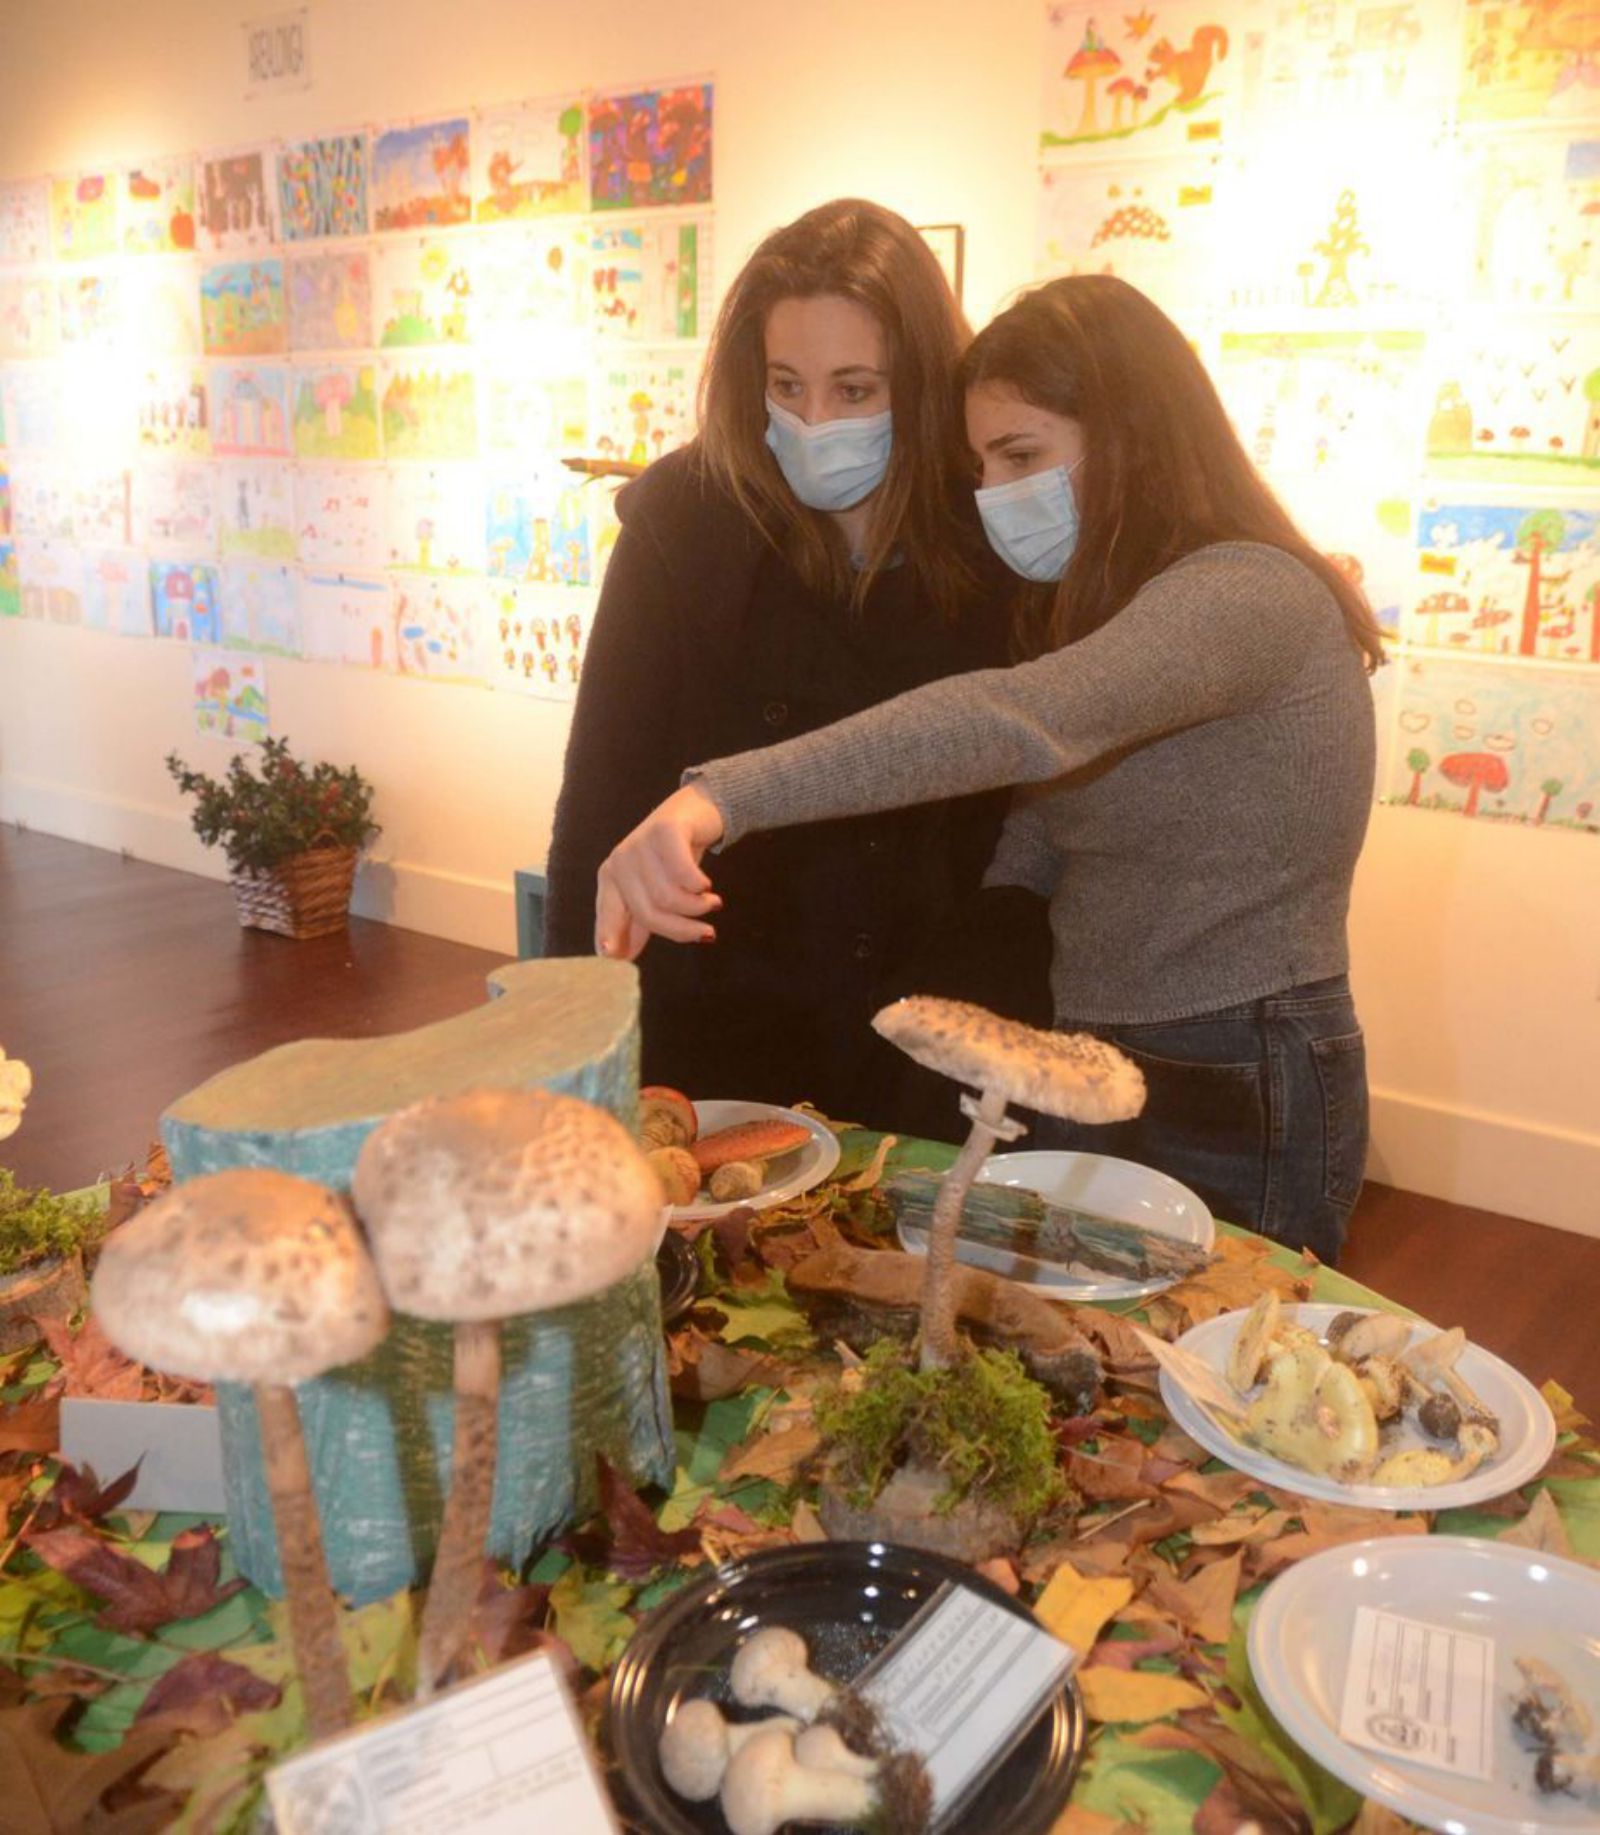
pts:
pixel 123 985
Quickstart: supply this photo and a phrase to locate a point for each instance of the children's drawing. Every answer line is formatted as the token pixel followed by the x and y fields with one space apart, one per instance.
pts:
pixel 651 280
pixel 42 501
pixel 174 411
pixel 176 507
pixel 29 326
pixel 528 415
pixel 1537 240
pixel 339 519
pixel 116 592
pixel 336 412
pixel 643 407
pixel 255 512
pixel 250 412
pixel 1152 224
pixel 322 187
pixel 1367 537
pixel 1507 580
pixel 537 527
pixel 7 527
pixel 650 147
pixel 527 160
pixel 1497 744
pixel 230 696
pixel 436 627
pixel 330 301
pixel 423 290
pixel 1529 60
pixel 347 618
pixel 83 216
pixel 435 519
pixel 1163 78
pixel 158 213
pixel 102 505
pixel 161 307
pixel 1516 399
pixel 429 410
pixel 421 176
pixel 33 416
pixel 259 607
pixel 242 311
pixel 184 601
pixel 50 577
pixel 536 637
pixel 531 296
pixel 24 219
pixel 91 314
pixel 236 201
pixel 10 582
pixel 1344 61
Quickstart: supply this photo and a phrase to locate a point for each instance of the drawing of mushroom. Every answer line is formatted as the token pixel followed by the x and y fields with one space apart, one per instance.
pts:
pixel 1441 605
pixel 1121 92
pixel 1092 60
pixel 332 393
pixel 1475 772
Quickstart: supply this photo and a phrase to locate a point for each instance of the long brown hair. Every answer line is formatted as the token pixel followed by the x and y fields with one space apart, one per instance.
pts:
pixel 862 252
pixel 1165 474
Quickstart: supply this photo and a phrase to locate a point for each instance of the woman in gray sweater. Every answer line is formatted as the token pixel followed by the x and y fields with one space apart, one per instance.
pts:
pixel 1193 738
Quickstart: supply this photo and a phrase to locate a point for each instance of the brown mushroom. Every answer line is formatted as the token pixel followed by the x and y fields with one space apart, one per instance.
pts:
pixel 481 1206
pixel 1069 1074
pixel 253 1276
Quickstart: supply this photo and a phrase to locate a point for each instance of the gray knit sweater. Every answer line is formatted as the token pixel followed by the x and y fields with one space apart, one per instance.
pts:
pixel 1198 774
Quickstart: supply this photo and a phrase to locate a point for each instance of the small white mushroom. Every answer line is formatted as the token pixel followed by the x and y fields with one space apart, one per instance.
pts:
pixel 699 1741
pixel 1376 1335
pixel 824 1749
pixel 1247 1356
pixel 766 1786
pixel 771 1670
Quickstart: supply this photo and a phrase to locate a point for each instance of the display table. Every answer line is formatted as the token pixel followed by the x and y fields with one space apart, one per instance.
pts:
pixel 166 1679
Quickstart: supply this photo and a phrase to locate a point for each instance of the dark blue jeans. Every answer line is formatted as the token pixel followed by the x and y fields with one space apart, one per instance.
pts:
pixel 1260 1109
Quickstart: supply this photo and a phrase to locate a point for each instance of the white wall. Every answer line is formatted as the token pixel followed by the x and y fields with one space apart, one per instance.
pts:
pixel 1477 948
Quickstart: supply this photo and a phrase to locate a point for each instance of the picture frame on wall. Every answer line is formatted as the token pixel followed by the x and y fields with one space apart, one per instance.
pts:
pixel 949 244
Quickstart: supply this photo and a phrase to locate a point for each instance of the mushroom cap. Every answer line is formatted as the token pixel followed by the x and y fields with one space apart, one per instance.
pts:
pixel 1058 1073
pixel 246 1276
pixel 1466 768
pixel 496 1202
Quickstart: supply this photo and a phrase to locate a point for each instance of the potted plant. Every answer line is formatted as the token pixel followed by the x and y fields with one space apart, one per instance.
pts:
pixel 42 1238
pixel 291 835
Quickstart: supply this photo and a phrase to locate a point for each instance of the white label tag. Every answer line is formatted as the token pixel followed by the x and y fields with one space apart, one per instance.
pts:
pixel 497 1757
pixel 1420 1692
pixel 961 1684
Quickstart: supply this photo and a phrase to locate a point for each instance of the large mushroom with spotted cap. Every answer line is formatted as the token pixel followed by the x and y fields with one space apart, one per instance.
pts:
pixel 482 1206
pixel 254 1276
pixel 1069 1074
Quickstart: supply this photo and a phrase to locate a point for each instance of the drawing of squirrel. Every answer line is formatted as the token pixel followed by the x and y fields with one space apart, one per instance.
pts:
pixel 1189 68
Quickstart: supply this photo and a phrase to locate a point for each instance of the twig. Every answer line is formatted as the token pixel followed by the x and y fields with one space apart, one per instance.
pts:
pixel 89 1669
pixel 1116 1516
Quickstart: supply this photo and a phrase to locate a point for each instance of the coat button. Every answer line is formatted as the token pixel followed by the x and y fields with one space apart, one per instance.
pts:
pixel 776 713
pixel 863 947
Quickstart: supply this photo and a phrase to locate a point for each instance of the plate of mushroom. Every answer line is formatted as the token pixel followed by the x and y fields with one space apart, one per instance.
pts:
pixel 712 1157
pixel 730 1711
pixel 1357 1407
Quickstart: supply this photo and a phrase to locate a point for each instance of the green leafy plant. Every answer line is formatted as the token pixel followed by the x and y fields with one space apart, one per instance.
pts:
pixel 36 1226
pixel 263 819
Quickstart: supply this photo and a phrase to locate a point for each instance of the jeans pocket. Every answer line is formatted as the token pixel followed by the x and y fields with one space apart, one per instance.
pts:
pixel 1342 1071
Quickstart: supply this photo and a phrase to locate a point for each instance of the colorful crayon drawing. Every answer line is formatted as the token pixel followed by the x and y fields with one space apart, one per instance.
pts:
pixel 436 625
pixel 177 507
pixel 336 412
pixel 91 312
pixel 423 292
pixel 536 637
pixel 1516 399
pixel 33 414
pixel 1507 580
pixel 158 214
pixel 1529 60
pixel 250 412
pixel 29 324
pixel 1344 61
pixel 340 517
pixel 527 160
pixel 650 146
pixel 10 582
pixel 183 597
pixel 330 301
pixel 256 512
pixel 102 506
pixel 537 527
pixel 1497 744
pixel 435 519
pixel 530 294
pixel 322 188
pixel 1537 218
pixel 1162 79
pixel 7 527
pixel 347 618
pixel 51 580
pixel 83 216
pixel 644 407
pixel 174 411
pixel 230 696
pixel 651 281
pixel 24 219
pixel 1151 224
pixel 236 201
pixel 116 592
pixel 421 176
pixel 527 415
pixel 41 501
pixel 161 300
pixel 259 608
pixel 429 411
pixel 1367 537
pixel 242 311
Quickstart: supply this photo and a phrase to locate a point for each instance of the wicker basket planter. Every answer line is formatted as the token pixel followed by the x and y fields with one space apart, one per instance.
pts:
pixel 307 895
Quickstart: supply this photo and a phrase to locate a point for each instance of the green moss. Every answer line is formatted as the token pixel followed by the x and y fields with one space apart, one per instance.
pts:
pixel 984 1423
pixel 36 1226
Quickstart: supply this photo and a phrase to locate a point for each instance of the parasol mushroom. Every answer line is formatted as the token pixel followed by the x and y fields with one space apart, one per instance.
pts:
pixel 482 1206
pixel 254 1276
pixel 1069 1074
pixel 1092 60
pixel 1475 772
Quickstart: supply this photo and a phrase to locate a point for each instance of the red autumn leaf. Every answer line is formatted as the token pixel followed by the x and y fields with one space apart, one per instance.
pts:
pixel 78 1496
pixel 203 1693
pixel 137 1597
pixel 633 1544
pixel 1126 1652
pixel 732 1233
pixel 31 1427
pixel 509 1621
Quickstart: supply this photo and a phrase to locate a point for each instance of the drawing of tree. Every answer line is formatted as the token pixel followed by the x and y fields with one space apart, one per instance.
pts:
pixel 1417 761
pixel 1591 427
pixel 1551 787
pixel 1541 533
pixel 1341 243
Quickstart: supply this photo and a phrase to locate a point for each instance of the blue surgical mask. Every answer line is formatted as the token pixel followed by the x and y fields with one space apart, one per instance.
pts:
pixel 835 464
pixel 1032 522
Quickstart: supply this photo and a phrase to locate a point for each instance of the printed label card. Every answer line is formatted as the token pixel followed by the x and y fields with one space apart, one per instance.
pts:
pixel 1422 1692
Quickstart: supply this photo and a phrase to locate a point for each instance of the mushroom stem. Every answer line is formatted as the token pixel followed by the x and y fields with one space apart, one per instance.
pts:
pixel 458 1564
pixel 940 1345
pixel 313 1612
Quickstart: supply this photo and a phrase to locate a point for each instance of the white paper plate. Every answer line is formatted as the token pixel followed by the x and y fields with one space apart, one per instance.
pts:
pixel 1531 1604
pixel 787 1176
pixel 1527 1428
pixel 1085 1182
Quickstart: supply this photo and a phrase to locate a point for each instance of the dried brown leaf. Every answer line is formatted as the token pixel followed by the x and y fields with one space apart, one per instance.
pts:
pixel 137 1597
pixel 203 1693
pixel 776 1456
pixel 49 1789
pixel 1202 1604
pixel 1541 1528
pixel 31 1427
